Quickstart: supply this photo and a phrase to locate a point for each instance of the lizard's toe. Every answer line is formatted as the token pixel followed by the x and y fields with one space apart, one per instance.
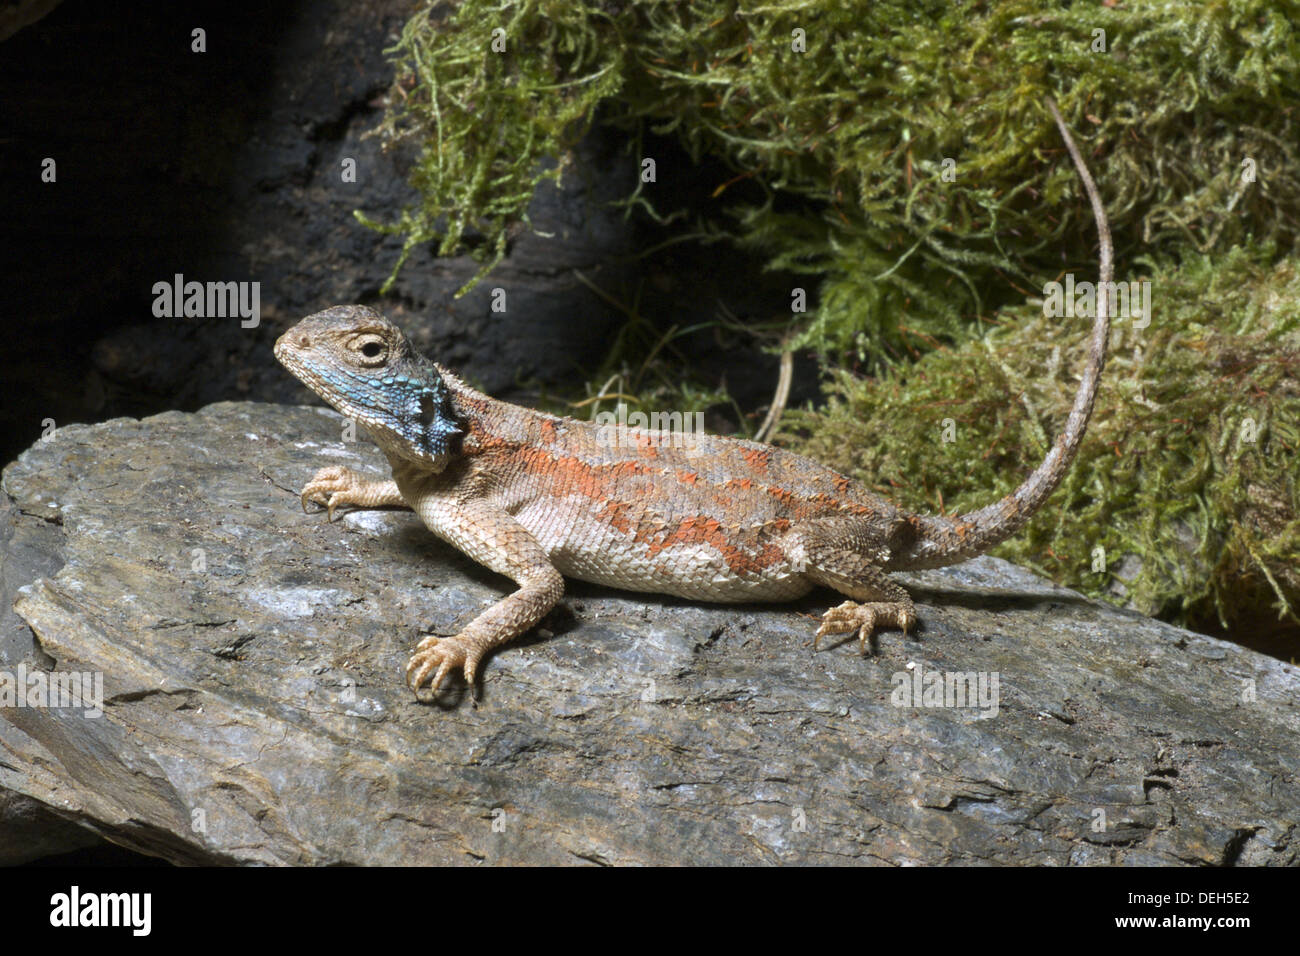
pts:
pixel 865 618
pixel 439 656
pixel 839 620
pixel 330 487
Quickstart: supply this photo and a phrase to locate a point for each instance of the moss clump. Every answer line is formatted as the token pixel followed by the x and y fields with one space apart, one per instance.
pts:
pixel 848 139
pixel 1191 463
pixel 487 117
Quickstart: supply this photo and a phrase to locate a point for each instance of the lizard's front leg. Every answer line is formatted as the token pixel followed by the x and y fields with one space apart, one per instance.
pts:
pixel 495 539
pixel 336 485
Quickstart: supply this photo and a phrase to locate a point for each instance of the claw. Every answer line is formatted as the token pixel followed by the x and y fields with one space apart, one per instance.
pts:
pixel 443 668
pixel 446 654
pixel 863 618
pixel 330 488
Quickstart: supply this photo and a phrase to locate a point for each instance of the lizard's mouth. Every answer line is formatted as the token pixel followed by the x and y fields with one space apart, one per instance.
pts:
pixel 283 347
pixel 287 354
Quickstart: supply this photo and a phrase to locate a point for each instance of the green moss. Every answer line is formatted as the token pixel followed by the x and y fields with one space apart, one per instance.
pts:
pixel 1191 463
pixel 486 122
pixel 848 139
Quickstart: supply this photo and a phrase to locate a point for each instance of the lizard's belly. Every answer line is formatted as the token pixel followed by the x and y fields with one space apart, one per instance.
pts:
pixel 695 559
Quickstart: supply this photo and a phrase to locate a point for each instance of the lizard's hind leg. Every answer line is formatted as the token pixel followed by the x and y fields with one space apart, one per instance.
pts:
pixel 877 600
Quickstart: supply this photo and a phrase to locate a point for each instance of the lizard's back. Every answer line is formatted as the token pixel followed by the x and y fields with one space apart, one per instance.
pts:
pixel 652 510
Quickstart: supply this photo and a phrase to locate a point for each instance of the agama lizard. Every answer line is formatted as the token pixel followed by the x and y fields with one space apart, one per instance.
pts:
pixel 538 497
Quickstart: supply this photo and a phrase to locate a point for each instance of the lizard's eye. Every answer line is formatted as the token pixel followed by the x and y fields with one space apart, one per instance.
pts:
pixel 372 351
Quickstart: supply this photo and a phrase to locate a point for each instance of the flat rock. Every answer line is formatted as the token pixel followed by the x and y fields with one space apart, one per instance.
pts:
pixel 254 709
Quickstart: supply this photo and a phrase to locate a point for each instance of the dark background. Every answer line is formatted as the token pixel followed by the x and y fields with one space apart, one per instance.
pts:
pixel 224 166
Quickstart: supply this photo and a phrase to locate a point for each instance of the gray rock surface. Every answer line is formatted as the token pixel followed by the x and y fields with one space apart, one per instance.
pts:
pixel 254 709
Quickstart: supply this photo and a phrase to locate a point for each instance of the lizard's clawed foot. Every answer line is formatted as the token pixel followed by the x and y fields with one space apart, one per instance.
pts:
pixel 334 486
pixel 444 654
pixel 864 618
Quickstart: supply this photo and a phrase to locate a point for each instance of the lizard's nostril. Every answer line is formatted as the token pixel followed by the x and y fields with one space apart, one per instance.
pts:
pixel 304 342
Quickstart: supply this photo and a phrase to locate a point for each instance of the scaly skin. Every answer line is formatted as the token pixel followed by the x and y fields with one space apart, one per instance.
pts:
pixel 539 498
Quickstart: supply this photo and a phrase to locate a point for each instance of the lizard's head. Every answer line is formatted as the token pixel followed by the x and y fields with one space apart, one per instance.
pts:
pixel 363 365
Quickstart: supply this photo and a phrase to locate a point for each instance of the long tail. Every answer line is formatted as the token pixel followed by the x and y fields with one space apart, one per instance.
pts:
pixel 943 541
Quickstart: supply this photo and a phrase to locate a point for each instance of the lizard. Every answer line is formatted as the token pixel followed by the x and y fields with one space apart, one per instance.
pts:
pixel 538 497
